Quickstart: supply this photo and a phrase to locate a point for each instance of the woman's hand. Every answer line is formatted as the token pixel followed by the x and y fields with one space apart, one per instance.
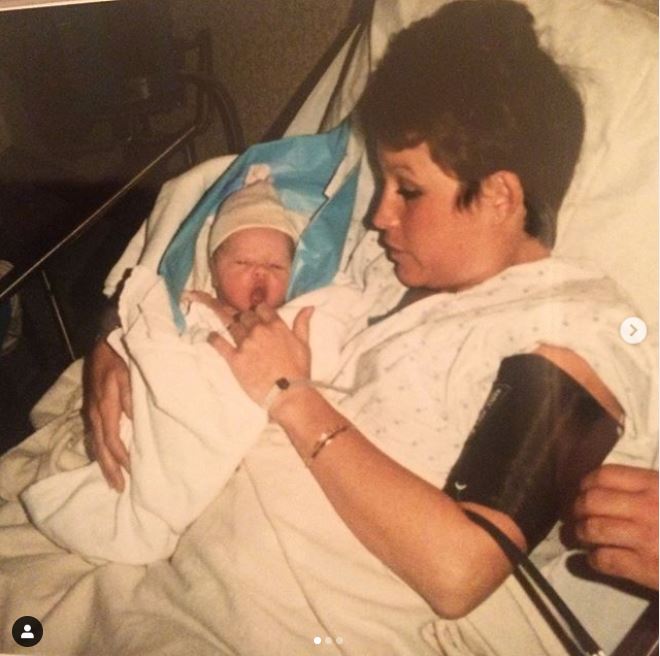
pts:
pixel 106 394
pixel 266 349
pixel 616 519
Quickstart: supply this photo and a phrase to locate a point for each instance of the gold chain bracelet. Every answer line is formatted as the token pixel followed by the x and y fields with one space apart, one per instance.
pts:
pixel 323 441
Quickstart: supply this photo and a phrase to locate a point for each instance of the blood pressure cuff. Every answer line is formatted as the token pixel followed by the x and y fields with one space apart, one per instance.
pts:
pixel 536 436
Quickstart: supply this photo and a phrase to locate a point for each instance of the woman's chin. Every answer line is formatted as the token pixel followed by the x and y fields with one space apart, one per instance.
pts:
pixel 406 276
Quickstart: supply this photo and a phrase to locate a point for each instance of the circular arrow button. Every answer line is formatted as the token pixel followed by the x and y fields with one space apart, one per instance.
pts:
pixel 633 330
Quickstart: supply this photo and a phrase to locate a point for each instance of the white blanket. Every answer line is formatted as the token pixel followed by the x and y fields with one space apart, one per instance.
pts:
pixel 192 425
pixel 269 565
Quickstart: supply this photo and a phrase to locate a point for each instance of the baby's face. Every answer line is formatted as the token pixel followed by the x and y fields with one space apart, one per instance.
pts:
pixel 251 267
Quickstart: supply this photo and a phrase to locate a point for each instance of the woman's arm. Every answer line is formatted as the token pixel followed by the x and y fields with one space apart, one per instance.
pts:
pixel 578 369
pixel 416 529
pixel 412 526
pixel 106 394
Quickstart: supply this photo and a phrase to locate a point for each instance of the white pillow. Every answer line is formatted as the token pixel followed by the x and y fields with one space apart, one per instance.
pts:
pixel 610 213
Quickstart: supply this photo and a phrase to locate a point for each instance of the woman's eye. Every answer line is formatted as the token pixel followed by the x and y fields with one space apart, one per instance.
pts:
pixel 408 194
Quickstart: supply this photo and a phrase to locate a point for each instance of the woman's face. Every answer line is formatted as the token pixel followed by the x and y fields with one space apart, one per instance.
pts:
pixel 432 243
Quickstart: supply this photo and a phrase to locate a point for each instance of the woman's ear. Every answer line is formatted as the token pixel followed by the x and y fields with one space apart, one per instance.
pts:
pixel 504 193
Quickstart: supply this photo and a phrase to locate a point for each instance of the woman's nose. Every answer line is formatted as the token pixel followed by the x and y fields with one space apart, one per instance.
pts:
pixel 384 215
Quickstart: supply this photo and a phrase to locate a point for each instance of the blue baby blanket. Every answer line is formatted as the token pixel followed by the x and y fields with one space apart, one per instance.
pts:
pixel 301 168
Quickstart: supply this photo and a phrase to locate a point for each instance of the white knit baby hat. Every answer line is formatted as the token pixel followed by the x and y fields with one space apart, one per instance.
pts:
pixel 256 205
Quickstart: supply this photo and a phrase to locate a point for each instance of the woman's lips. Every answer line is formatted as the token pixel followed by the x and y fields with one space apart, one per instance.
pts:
pixel 393 252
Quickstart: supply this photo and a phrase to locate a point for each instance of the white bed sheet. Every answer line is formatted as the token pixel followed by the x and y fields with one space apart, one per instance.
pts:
pixel 609 215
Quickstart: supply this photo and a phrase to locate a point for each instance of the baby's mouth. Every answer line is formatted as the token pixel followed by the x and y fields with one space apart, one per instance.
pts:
pixel 258 295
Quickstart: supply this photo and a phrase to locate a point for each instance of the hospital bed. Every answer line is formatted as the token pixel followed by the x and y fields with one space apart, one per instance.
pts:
pixel 610 213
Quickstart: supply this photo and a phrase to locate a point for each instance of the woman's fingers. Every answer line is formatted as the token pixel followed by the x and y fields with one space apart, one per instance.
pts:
pixel 110 467
pixel 107 462
pixel 125 397
pixel 265 313
pixel 607 502
pixel 620 477
pixel 106 394
pixel 243 323
pixel 611 531
pixel 301 324
pixel 118 451
pixel 108 439
pixel 113 399
pixel 620 492
pixel 248 320
pixel 237 330
pixel 221 345
pixel 616 519
pixel 624 563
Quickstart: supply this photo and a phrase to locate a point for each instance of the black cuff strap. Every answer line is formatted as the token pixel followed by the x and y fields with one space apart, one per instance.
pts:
pixel 537 435
pixel 565 625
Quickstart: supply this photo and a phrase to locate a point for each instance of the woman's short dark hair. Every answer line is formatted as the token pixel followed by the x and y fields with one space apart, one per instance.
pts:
pixel 473 83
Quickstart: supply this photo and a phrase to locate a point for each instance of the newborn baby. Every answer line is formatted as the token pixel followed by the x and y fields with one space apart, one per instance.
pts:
pixel 251 247
pixel 192 423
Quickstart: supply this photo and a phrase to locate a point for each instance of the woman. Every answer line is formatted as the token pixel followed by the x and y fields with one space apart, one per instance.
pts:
pixel 475 133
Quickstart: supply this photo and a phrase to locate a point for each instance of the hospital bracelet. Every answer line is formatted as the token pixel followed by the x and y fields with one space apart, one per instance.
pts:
pixel 324 440
pixel 281 385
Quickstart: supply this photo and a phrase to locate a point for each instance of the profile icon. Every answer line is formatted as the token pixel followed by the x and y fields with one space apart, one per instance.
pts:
pixel 27 631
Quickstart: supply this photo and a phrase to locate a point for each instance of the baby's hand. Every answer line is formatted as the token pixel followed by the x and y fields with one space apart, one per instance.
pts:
pixel 225 312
